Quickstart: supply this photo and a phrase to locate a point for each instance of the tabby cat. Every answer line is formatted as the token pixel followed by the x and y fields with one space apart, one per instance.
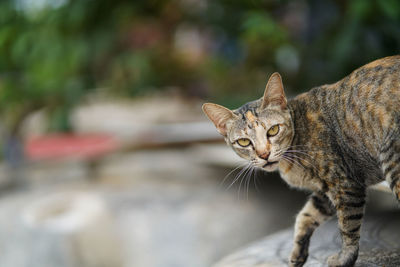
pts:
pixel 335 140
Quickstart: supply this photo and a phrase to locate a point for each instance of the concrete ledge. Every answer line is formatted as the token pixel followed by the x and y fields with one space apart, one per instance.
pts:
pixel 379 246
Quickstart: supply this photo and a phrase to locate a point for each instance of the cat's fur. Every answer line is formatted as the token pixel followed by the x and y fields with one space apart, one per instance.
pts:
pixel 334 140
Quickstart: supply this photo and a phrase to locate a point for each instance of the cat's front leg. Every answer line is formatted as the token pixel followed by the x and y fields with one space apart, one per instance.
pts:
pixel 317 210
pixel 350 211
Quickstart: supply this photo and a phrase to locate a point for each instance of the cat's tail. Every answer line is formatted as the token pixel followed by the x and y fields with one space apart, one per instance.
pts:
pixel 390 164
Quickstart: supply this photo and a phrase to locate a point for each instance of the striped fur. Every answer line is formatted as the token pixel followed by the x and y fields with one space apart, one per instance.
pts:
pixel 335 140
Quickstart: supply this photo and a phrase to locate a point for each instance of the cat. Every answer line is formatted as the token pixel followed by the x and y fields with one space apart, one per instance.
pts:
pixel 334 140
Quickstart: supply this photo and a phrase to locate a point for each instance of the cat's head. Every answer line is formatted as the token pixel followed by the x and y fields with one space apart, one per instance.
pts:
pixel 259 131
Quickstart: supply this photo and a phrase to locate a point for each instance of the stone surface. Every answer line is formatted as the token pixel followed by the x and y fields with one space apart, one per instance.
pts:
pixel 75 227
pixel 379 245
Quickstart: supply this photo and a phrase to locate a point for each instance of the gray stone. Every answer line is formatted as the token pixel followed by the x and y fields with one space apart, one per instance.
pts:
pixel 379 245
pixel 71 230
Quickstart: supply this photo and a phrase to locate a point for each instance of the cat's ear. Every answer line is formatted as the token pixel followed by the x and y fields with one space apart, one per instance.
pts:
pixel 274 94
pixel 219 115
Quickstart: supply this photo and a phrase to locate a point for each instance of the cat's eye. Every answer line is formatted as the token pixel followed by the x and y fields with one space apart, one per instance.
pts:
pixel 243 142
pixel 274 130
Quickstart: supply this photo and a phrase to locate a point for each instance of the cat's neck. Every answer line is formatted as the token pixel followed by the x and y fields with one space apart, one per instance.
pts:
pixel 300 109
pixel 298 168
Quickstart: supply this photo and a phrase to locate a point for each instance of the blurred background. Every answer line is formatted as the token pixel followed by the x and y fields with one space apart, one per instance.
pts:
pixel 106 157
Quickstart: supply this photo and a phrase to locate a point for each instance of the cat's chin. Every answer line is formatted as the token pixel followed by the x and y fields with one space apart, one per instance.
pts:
pixel 271 166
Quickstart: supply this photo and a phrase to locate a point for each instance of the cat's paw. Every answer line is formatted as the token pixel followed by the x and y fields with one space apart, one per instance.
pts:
pixel 343 259
pixel 296 263
pixel 297 260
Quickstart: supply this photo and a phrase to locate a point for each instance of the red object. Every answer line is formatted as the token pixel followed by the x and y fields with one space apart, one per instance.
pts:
pixel 58 146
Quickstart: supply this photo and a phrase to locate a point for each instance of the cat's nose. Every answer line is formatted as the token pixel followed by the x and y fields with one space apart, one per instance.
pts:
pixel 264 155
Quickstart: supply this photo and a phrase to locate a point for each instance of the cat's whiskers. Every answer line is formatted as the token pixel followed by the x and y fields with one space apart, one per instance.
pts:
pixel 244 178
pixel 238 175
pixel 303 152
pixel 303 148
pixel 291 154
pixel 302 159
pixel 250 175
pixel 227 176
pixel 292 161
pixel 307 148
pixel 287 158
pixel 245 175
pixel 255 178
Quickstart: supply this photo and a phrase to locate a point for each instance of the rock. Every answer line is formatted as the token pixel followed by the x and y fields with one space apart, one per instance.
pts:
pixel 379 245
pixel 71 230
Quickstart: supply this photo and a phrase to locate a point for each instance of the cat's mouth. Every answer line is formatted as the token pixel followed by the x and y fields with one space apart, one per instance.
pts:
pixel 270 166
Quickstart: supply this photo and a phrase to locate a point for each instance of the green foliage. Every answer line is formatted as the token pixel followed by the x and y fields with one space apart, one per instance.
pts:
pixel 53 55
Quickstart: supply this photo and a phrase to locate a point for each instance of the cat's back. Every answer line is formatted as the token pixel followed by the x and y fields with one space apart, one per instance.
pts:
pixel 370 95
pixel 374 82
pixel 367 104
pixel 377 82
pixel 358 112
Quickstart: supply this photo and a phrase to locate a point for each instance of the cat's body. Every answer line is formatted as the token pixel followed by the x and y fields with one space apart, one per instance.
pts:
pixel 347 124
pixel 334 140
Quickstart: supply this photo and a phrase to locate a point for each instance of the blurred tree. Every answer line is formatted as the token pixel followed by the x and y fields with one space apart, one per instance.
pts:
pixel 54 52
